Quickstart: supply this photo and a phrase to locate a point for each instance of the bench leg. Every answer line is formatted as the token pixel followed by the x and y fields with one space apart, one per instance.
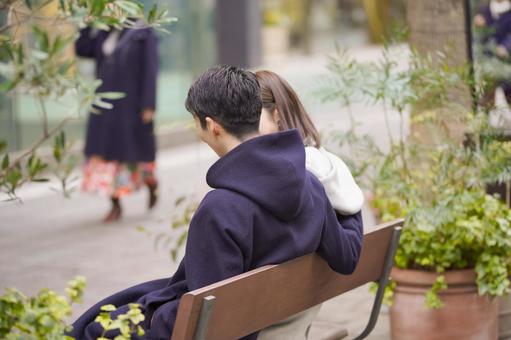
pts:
pixel 382 283
pixel 205 313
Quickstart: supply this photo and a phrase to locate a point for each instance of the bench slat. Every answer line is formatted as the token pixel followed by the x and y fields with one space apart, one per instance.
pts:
pixel 259 298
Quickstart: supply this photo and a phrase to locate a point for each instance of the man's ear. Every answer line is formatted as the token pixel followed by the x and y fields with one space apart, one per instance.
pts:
pixel 213 127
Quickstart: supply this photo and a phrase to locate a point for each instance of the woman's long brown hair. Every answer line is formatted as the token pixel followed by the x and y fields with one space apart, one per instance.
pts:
pixel 278 95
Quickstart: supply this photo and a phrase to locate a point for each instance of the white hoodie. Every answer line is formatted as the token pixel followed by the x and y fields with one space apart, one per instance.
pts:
pixel 341 189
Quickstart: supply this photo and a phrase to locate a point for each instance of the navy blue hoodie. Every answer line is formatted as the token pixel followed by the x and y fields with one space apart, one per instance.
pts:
pixel 265 209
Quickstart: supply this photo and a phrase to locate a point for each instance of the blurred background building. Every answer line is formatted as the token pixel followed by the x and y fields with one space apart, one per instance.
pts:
pixel 246 33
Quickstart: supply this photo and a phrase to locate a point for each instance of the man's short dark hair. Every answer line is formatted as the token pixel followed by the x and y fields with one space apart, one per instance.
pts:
pixel 230 96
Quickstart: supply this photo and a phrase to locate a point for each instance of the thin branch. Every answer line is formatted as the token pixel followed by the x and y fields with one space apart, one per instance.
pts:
pixel 26 16
pixel 350 113
pixel 7 27
pixel 402 143
pixel 387 124
pixel 37 144
pixel 44 116
pixel 508 193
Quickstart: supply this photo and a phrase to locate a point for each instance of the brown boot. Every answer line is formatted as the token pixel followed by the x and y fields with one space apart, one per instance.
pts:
pixel 153 194
pixel 115 213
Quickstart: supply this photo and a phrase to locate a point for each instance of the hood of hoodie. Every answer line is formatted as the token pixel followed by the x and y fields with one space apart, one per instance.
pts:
pixel 269 170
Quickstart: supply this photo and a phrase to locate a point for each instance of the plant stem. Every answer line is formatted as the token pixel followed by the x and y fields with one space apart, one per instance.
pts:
pixel 508 193
pixel 402 143
pixel 350 114
pixel 44 116
pixel 387 124
pixel 37 144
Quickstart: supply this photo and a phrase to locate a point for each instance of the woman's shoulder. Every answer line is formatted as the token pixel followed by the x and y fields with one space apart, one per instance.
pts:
pixel 322 162
pixel 342 190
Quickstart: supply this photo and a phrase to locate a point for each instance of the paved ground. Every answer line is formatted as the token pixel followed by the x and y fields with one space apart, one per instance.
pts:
pixel 48 239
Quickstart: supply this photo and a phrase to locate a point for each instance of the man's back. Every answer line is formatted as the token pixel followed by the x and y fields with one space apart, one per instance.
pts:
pixel 265 209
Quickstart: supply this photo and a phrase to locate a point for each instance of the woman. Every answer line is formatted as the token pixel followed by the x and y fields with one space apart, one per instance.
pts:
pixel 493 19
pixel 282 110
pixel 120 145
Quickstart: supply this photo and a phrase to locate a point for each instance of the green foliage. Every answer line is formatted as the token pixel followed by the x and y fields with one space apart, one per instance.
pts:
pixel 118 13
pixel 40 317
pixel 44 316
pixel 469 229
pixel 438 187
pixel 126 324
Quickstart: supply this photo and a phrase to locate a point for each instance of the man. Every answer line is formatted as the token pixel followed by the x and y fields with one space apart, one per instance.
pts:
pixel 265 207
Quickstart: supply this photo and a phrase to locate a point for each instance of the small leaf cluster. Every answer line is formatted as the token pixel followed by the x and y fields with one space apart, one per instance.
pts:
pixel 103 14
pixel 468 229
pixel 39 317
pixel 125 324
pixel 14 173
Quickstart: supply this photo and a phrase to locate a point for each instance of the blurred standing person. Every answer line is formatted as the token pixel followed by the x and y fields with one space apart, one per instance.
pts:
pixel 494 21
pixel 120 145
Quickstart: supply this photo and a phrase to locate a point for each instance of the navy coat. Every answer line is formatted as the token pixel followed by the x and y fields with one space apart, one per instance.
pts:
pixel 499 28
pixel 120 134
pixel 265 209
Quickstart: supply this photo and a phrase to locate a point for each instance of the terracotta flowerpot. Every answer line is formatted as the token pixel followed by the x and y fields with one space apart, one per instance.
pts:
pixel 505 317
pixel 465 314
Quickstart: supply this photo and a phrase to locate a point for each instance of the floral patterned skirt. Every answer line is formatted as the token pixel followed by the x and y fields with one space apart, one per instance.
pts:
pixel 115 179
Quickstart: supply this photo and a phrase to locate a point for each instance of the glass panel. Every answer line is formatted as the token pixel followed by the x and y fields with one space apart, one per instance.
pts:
pixel 187 50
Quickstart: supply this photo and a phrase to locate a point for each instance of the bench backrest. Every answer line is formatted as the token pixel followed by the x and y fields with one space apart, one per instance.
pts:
pixel 246 303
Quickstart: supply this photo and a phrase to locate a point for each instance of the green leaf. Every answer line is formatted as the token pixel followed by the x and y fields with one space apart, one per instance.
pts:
pixel 57 153
pixel 62 5
pixel 151 17
pixel 41 55
pixel 98 6
pixel 20 54
pixel 7 86
pixel 42 39
pixel 112 95
pixel 63 139
pixel 102 104
pixel 132 7
pixel 64 68
pixel 13 177
pixel 5 162
pixel 58 45
pixel 179 200
pixel 108 308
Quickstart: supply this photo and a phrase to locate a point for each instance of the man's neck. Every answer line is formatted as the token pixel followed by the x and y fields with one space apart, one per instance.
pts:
pixel 232 142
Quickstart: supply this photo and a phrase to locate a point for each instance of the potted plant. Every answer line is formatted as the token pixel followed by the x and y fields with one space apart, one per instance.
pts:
pixel 454 253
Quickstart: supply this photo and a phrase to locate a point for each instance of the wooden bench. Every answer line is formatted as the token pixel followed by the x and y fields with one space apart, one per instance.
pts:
pixel 249 302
